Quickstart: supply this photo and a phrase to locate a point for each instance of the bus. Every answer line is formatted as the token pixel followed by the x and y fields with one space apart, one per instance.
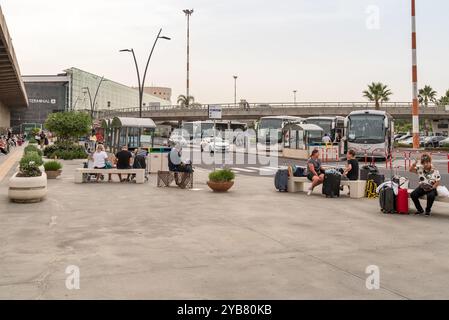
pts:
pixel 202 129
pixel 370 133
pixel 269 131
pixel 332 126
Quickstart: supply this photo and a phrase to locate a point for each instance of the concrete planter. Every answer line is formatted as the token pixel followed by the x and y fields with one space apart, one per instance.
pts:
pixel 27 189
pixel 220 186
pixel 53 174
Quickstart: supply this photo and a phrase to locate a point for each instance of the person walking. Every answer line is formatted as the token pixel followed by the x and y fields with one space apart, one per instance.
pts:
pixel 429 180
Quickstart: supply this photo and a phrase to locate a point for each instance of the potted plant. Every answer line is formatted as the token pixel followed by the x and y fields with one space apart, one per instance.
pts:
pixel 53 169
pixel 29 184
pixel 221 180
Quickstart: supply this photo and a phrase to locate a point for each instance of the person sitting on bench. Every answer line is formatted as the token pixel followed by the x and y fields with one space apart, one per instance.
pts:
pixel 175 163
pixel 314 171
pixel 123 161
pixel 429 179
pixel 3 146
pixel 351 172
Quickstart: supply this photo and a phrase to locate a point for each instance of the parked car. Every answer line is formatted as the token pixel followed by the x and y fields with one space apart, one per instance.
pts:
pixel 177 139
pixel 220 145
pixel 444 143
pixel 409 141
pixel 433 141
pixel 397 136
pixel 404 137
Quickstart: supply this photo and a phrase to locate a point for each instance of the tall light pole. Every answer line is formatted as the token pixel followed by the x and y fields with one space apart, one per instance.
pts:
pixel 415 108
pixel 141 84
pixel 188 13
pixel 92 102
pixel 235 90
pixel 294 96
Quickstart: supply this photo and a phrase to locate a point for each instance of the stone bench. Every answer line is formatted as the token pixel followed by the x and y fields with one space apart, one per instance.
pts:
pixel 357 188
pixel 182 179
pixel 439 199
pixel 297 184
pixel 82 173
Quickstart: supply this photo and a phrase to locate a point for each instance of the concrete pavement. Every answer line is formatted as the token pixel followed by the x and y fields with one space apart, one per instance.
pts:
pixel 143 242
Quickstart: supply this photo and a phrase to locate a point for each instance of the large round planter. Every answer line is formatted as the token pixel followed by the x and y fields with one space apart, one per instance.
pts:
pixel 27 189
pixel 53 174
pixel 220 186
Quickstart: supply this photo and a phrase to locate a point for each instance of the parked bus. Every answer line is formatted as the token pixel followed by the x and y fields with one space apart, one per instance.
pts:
pixel 269 131
pixel 202 129
pixel 370 133
pixel 332 126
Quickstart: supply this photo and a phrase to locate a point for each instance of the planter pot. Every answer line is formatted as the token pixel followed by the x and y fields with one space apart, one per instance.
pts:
pixel 220 186
pixel 27 189
pixel 53 174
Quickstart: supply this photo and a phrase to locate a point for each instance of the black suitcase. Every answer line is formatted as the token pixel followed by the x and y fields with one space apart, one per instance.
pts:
pixel 387 200
pixel 366 170
pixel 377 178
pixel 281 180
pixel 331 185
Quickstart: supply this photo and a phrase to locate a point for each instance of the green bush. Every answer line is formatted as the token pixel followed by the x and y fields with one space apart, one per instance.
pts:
pixel 69 126
pixel 65 151
pixel 29 165
pixel 221 175
pixel 33 148
pixel 52 165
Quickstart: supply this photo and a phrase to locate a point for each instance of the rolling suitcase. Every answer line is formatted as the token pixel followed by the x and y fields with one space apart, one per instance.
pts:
pixel 281 180
pixel 366 170
pixel 387 200
pixel 402 201
pixel 331 185
pixel 377 178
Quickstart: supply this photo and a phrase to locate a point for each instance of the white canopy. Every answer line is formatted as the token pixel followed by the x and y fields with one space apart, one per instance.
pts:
pixel 120 122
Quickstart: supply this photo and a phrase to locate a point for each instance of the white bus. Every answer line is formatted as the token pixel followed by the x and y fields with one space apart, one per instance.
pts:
pixel 370 133
pixel 269 131
pixel 332 126
pixel 202 129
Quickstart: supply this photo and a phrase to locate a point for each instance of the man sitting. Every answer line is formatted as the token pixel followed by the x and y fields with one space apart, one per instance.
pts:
pixel 123 161
pixel 175 163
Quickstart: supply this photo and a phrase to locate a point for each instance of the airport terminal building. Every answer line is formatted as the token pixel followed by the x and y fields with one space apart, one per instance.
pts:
pixel 75 89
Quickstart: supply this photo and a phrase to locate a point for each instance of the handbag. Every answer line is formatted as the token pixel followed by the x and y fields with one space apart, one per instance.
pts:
pixel 107 165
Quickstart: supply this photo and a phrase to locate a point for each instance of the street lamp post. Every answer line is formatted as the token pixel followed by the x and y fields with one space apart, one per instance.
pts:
pixel 92 102
pixel 141 84
pixel 415 108
pixel 188 13
pixel 294 96
pixel 235 90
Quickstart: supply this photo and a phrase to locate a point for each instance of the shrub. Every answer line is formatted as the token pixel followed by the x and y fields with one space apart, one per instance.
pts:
pixel 33 148
pixel 221 175
pixel 69 126
pixel 65 151
pixel 29 165
pixel 52 165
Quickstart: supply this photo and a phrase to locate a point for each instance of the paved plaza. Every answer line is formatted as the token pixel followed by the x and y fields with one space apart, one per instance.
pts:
pixel 142 242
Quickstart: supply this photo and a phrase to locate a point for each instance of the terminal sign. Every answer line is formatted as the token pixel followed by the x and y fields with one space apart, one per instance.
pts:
pixel 214 112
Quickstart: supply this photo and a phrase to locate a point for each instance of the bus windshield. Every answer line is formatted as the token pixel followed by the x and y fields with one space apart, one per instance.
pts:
pixel 366 128
pixel 270 124
pixel 326 125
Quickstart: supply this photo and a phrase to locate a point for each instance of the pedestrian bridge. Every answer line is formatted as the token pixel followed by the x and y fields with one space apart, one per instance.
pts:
pixel 399 110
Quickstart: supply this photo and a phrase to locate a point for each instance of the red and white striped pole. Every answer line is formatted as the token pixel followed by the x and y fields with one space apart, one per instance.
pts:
pixel 415 108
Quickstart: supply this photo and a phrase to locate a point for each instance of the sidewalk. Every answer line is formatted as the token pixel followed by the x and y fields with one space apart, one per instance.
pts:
pixel 142 242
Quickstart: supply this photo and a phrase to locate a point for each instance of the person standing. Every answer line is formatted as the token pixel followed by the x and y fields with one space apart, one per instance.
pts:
pixel 429 180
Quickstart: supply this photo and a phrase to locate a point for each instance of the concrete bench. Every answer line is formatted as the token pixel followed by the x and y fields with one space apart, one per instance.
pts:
pixel 182 179
pixel 357 188
pixel 297 184
pixel 439 199
pixel 81 173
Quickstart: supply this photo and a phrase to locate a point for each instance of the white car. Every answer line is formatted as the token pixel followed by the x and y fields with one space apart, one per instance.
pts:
pixel 444 143
pixel 219 145
pixel 177 139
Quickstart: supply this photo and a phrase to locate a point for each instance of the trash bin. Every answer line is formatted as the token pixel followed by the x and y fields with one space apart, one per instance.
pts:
pixel 159 159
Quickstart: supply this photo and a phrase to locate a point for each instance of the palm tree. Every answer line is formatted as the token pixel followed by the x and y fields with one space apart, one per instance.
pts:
pixel 378 93
pixel 185 102
pixel 444 100
pixel 426 95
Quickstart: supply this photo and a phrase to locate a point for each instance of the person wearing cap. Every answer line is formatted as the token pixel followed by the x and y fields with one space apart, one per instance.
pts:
pixel 429 180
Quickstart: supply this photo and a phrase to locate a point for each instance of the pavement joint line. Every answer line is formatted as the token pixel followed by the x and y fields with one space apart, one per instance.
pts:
pixel 392 291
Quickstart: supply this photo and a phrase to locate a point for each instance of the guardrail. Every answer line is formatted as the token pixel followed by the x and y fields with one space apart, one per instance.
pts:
pixel 249 106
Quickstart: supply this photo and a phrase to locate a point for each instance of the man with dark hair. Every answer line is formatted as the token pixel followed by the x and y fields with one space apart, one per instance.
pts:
pixel 314 171
pixel 123 161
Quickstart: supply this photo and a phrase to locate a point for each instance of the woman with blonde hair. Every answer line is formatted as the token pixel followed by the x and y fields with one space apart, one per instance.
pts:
pixel 100 158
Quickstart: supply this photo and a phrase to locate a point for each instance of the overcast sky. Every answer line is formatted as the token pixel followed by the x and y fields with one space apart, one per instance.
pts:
pixel 328 50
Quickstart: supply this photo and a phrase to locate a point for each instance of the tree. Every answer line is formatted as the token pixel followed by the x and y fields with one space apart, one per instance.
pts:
pixel 69 126
pixel 444 100
pixel 426 95
pixel 378 93
pixel 185 102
